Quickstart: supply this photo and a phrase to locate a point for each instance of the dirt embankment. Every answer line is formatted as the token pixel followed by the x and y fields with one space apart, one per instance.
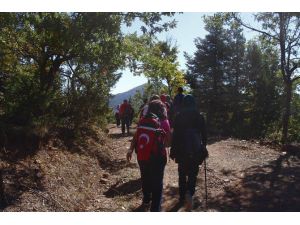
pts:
pixel 241 175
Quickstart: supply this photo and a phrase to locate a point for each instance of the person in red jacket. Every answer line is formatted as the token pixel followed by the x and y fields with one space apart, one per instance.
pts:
pixel 149 142
pixel 125 116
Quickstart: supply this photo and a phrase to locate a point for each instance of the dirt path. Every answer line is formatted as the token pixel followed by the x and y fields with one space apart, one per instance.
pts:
pixel 242 176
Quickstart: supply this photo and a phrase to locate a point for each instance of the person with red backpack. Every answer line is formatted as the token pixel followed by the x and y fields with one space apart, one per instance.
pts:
pixel 152 135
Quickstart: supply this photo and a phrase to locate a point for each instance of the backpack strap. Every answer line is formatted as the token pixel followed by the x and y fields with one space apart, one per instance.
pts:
pixel 148 128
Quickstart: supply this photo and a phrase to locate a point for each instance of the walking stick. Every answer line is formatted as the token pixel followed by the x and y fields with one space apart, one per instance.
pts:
pixel 205 183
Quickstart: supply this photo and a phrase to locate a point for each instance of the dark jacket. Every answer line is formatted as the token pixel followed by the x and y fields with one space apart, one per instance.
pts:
pixel 187 119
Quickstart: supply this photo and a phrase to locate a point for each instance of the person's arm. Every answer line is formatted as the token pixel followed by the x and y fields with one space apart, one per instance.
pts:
pixel 131 148
pixel 165 125
pixel 175 139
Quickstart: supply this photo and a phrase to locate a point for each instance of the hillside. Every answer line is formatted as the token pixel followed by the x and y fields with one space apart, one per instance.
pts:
pixel 118 98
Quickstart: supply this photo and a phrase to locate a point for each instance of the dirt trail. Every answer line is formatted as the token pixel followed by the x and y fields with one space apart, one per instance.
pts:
pixel 242 176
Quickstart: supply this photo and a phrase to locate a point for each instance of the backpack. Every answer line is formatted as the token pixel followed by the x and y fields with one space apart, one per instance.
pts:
pixel 178 102
pixel 149 139
pixel 194 150
pixel 127 111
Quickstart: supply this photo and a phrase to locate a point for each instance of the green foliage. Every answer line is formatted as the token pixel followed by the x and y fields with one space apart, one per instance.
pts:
pixel 157 60
pixel 280 30
pixel 206 74
pixel 236 84
pixel 57 69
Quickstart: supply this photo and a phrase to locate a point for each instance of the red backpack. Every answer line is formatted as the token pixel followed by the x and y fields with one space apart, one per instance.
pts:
pixel 149 138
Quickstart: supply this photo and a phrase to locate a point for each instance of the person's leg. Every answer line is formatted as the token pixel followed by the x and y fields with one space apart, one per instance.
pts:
pixel 127 124
pixel 157 175
pixel 192 177
pixel 182 181
pixel 123 125
pixel 146 181
pixel 192 172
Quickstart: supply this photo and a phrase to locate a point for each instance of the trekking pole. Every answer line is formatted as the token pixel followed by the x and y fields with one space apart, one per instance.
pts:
pixel 205 183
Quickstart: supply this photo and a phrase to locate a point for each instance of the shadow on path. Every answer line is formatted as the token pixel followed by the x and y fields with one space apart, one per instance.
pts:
pixel 118 189
pixel 266 188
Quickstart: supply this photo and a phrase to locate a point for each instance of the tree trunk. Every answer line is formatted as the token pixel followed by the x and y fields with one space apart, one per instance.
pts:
pixel 287 111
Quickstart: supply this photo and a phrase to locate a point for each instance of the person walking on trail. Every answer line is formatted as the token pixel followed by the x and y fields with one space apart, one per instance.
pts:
pixel 125 116
pixel 149 142
pixel 177 104
pixel 188 148
pixel 117 115
pixel 145 108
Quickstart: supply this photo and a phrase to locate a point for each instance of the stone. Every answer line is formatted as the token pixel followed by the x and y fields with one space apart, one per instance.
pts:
pixel 103 180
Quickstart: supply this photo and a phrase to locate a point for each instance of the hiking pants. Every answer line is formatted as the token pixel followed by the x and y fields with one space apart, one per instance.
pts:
pixel 152 173
pixel 125 122
pixel 187 178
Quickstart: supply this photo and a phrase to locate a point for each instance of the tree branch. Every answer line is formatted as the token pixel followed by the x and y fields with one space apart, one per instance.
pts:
pixel 254 29
pixel 295 78
pixel 294 68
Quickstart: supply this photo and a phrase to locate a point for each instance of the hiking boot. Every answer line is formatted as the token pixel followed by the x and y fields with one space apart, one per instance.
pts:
pixel 145 206
pixel 188 202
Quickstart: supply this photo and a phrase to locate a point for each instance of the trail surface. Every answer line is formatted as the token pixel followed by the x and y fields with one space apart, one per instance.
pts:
pixel 242 176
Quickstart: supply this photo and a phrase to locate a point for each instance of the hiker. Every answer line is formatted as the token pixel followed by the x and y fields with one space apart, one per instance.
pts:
pixel 149 142
pixel 124 116
pixel 177 104
pixel 117 115
pixel 131 113
pixel 142 107
pixel 188 148
pixel 145 108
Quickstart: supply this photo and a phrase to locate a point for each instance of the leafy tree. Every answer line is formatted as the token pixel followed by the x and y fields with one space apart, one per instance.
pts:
pixel 236 84
pixel 262 89
pixel 59 67
pixel 235 77
pixel 206 73
pixel 157 60
pixel 283 31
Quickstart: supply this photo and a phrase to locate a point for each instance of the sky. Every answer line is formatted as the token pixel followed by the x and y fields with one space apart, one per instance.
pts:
pixel 189 26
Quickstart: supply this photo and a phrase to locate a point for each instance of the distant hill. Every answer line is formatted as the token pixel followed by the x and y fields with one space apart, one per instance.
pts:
pixel 118 98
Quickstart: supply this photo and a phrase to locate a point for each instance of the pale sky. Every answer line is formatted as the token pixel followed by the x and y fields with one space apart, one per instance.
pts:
pixel 189 26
